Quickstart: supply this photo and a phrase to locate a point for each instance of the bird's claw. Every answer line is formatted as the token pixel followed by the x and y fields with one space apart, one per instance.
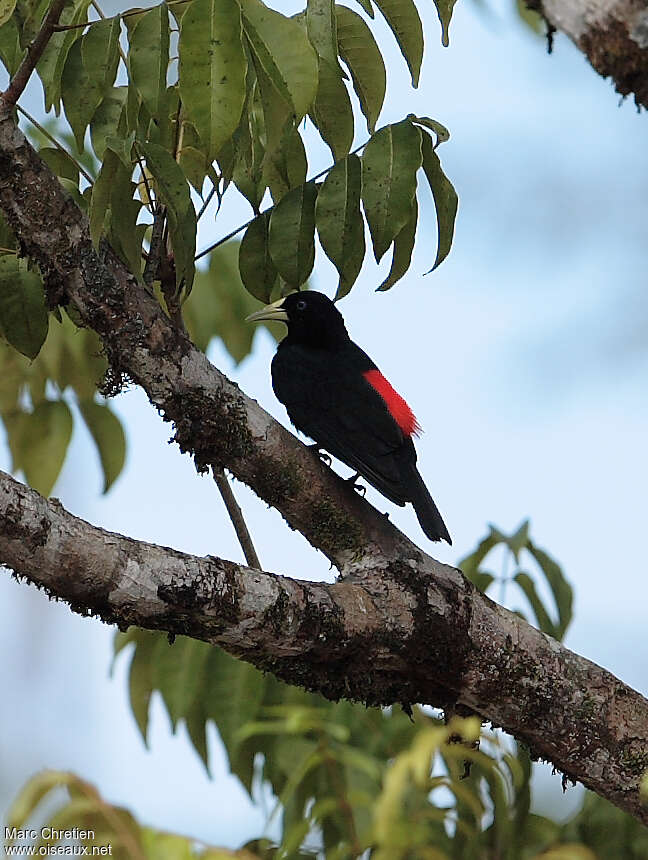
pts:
pixel 353 481
pixel 321 454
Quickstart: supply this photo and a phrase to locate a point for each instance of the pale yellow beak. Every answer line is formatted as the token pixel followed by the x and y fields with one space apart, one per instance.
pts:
pixel 273 311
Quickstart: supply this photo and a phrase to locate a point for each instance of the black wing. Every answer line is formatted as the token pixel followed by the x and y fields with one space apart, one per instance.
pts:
pixel 328 399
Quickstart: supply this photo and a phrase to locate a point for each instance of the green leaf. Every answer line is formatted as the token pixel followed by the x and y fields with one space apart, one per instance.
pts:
pixel 106 120
pixel 82 93
pixel 192 158
pixel 23 313
pixel 124 233
pixel 403 247
pixel 233 693
pixel 441 132
pixel 282 48
pixel 60 163
pixel 10 51
pixel 445 199
pixel 140 678
pixel 170 181
pixel 179 673
pixel 277 111
pixel 360 52
pixel 292 228
pixel 24 806
pixel 108 435
pixel 331 111
pixel 101 195
pixel 339 221
pixel 258 272
pixel 219 303
pixel 148 58
pixel 241 159
pixel 173 191
pixel 295 164
pixel 321 26
pixel 122 147
pixel 212 70
pixel 519 540
pixel 444 10
pixel 389 165
pixel 196 719
pixel 100 52
pixel 405 23
pixel 542 616
pixel 42 448
pixel 470 564
pixel 560 588
pixel 53 59
pixel 481 580
pixel 29 16
pixel 6 10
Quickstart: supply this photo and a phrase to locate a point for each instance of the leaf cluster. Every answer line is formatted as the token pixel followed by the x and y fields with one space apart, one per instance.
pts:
pixel 226 111
pixel 108 830
pixel 169 109
pixel 519 548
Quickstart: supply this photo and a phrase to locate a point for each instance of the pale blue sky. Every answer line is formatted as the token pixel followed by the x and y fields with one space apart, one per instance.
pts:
pixel 530 353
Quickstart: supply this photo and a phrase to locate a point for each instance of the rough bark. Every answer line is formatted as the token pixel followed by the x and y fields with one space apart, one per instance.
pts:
pixel 613 35
pixel 400 628
pixel 412 630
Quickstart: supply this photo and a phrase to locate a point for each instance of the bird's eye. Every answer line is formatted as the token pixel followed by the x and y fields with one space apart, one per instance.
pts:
pixel 301 305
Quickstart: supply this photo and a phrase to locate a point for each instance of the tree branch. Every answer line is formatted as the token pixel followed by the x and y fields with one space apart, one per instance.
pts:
pixel 404 629
pixel 19 81
pixel 412 631
pixel 236 516
pixel 613 35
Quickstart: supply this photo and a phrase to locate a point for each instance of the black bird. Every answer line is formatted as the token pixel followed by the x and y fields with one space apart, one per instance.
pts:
pixel 335 394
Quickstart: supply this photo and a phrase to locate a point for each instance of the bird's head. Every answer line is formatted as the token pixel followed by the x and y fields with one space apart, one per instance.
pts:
pixel 311 317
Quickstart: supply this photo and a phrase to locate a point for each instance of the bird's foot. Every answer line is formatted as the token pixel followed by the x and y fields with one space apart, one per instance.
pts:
pixel 321 454
pixel 353 481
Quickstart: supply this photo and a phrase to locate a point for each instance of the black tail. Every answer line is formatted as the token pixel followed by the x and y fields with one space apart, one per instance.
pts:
pixel 426 511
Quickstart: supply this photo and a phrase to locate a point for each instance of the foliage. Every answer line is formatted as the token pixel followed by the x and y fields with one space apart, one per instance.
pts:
pixel 515 546
pixel 110 830
pixel 172 108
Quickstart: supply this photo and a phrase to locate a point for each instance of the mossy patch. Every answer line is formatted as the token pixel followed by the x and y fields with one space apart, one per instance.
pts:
pixel 333 529
pixel 275 482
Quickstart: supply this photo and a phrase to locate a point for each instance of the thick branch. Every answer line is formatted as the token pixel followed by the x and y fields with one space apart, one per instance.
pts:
pixel 613 35
pixel 406 629
pixel 213 419
pixel 413 631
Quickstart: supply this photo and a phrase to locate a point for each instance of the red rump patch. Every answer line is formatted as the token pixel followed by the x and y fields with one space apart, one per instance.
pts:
pixel 398 408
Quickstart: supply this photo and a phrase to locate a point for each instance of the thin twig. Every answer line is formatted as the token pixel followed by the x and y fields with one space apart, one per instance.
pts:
pixel 206 202
pixel 247 223
pixel 236 516
pixel 19 81
pixel 53 140
pixel 62 28
pixel 179 132
pixel 103 17
pixel 150 205
pixel 151 269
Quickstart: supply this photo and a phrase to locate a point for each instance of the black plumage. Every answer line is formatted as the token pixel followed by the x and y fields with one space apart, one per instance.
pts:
pixel 334 393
